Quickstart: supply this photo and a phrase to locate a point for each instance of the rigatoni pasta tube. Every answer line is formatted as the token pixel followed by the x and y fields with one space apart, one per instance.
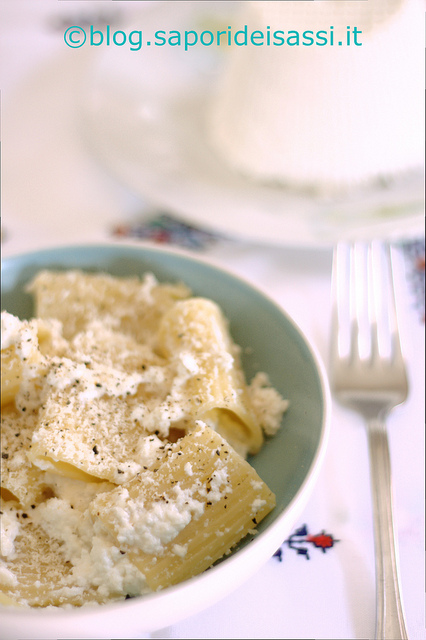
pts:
pixel 177 520
pixel 85 440
pixel 132 305
pixel 21 359
pixel 11 375
pixel 195 333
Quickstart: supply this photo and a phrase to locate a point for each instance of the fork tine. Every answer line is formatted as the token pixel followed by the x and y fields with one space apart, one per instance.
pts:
pixel 364 300
pixel 385 314
pixel 351 335
pixel 360 286
pixel 396 350
pixel 375 302
pixel 340 330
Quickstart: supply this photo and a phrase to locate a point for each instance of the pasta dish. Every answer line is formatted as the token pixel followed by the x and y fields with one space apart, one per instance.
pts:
pixel 127 421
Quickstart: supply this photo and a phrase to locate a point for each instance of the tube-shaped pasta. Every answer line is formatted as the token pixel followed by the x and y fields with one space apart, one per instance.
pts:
pixel 99 389
pixel 176 521
pixel 21 360
pixel 11 375
pixel 132 305
pixel 86 440
pixel 194 333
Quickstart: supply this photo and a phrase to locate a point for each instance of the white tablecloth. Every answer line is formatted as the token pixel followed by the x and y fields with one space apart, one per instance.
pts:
pixel 55 192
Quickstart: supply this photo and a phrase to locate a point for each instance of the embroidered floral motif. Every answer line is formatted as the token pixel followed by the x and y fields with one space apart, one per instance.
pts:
pixel 165 229
pixel 414 253
pixel 300 539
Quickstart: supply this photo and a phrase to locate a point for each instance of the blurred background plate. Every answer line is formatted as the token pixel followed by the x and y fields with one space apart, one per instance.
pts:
pixel 144 114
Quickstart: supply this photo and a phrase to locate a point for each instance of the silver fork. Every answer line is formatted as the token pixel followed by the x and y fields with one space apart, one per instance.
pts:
pixel 367 373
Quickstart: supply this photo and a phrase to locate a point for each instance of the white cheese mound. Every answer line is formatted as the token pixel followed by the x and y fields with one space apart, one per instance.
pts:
pixel 96 561
pixel 9 530
pixel 324 118
pixel 149 529
pixel 7 577
pixel 20 334
pixel 267 403
pixel 149 450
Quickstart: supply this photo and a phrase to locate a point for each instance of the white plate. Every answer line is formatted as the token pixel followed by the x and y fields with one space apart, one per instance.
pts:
pixel 145 118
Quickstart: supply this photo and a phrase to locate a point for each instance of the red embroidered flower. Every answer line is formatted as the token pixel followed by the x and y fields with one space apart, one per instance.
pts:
pixel 322 540
pixel 300 539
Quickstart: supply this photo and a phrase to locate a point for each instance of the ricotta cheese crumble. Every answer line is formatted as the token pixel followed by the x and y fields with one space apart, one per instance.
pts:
pixel 126 419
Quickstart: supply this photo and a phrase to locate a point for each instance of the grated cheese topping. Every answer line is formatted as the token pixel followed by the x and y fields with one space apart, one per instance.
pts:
pixel 101 390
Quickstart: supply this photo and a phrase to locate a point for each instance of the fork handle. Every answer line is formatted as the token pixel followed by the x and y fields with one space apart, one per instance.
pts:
pixel 390 623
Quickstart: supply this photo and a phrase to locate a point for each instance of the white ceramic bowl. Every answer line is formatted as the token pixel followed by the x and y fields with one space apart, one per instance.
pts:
pixel 288 463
